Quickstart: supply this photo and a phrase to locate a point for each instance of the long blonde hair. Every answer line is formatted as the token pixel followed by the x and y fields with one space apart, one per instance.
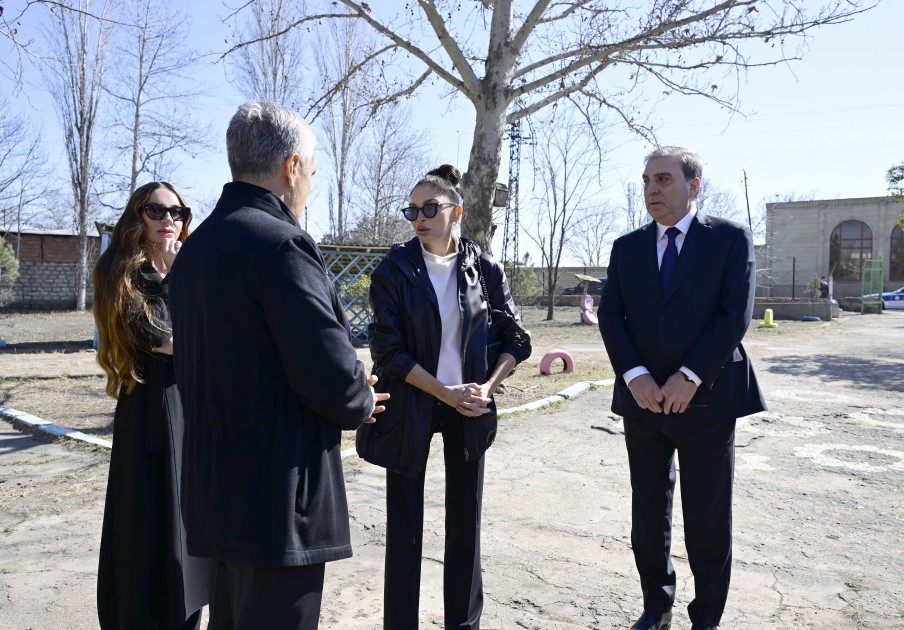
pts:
pixel 117 301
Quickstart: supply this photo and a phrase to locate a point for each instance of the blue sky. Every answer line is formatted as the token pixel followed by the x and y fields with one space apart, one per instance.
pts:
pixel 828 126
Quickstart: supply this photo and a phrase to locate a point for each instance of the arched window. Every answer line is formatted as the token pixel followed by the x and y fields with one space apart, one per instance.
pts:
pixel 896 255
pixel 850 245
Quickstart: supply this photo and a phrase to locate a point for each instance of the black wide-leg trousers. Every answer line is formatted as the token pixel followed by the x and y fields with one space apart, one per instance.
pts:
pixel 705 452
pixel 462 582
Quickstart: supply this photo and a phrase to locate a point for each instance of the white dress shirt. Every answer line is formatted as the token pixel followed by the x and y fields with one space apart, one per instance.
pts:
pixel 662 241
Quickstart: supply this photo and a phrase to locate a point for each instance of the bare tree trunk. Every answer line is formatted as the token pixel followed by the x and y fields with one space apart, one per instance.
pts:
pixel 155 113
pixel 339 50
pixel 478 184
pixel 491 104
pixel 76 83
pixel 271 69
pixel 136 120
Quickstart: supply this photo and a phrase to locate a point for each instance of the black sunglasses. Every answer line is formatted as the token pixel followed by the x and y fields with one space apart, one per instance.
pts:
pixel 429 209
pixel 157 211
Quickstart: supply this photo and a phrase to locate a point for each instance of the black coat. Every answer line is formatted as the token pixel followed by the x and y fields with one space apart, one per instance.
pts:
pixel 407 331
pixel 268 377
pixel 698 324
pixel 145 571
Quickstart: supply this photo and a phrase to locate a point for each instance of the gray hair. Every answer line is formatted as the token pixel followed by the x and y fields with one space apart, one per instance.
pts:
pixel 262 135
pixel 691 164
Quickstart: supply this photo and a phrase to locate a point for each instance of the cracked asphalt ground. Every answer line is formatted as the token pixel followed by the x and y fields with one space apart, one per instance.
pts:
pixel 819 508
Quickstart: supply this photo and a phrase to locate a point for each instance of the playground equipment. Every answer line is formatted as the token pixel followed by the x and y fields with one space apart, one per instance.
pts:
pixel 588 316
pixel 552 355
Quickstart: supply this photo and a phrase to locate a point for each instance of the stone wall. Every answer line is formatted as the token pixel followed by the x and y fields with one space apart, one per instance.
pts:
pixel 47 286
pixel 794 309
pixel 47 265
pixel 798 234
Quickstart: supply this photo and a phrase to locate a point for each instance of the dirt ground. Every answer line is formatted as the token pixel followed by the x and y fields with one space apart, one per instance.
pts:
pixel 40 345
pixel 819 507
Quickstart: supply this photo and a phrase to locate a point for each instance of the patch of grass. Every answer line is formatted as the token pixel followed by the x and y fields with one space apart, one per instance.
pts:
pixel 854 613
pixel 855 584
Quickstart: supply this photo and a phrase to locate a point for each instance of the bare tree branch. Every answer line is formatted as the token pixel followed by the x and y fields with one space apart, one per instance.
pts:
pixel 449 45
pixel 411 89
pixel 327 97
pixel 284 30
pixel 408 46
pixel 555 96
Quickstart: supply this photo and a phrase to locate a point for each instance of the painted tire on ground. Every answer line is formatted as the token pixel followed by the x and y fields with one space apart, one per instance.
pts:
pixel 552 355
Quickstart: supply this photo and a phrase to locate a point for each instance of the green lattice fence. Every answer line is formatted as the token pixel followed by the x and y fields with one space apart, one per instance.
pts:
pixel 872 280
pixel 347 265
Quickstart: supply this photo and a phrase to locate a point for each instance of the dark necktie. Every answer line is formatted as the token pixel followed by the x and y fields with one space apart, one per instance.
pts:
pixel 669 259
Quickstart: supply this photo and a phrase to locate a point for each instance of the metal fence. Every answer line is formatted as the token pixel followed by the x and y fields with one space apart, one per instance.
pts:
pixel 871 283
pixel 346 266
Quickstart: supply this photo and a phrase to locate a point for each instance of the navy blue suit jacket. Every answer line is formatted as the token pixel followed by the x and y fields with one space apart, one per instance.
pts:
pixel 698 323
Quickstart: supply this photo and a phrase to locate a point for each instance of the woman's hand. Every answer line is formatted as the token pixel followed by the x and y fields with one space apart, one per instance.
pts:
pixel 468 399
pixel 168 251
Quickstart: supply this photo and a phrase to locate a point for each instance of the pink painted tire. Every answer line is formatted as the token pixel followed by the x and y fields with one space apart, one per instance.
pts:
pixel 589 317
pixel 552 355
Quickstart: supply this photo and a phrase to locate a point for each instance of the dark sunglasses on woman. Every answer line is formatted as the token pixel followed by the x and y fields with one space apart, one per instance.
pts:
pixel 429 209
pixel 156 211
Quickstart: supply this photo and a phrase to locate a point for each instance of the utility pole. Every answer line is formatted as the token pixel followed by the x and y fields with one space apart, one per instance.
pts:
pixel 749 219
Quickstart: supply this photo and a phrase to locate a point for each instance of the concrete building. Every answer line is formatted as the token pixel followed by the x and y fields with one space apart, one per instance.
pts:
pixel 831 238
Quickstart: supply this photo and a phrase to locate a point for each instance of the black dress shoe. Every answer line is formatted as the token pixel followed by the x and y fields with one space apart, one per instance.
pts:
pixel 653 621
pixel 696 627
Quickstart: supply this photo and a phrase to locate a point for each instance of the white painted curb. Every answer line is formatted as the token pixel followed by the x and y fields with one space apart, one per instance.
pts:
pixel 53 429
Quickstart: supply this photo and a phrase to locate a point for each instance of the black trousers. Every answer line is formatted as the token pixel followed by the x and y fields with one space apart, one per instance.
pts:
pixel 706 457
pixel 462 581
pixel 276 598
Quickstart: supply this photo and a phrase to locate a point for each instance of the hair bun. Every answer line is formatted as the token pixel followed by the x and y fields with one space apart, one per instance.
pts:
pixel 448 173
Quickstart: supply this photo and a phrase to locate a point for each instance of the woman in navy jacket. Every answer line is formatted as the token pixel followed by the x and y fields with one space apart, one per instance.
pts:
pixel 429 343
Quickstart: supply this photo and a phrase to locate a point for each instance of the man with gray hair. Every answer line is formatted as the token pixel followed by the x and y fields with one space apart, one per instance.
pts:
pixel 677 302
pixel 268 378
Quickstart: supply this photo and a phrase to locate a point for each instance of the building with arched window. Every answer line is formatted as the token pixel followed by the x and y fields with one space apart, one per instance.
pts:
pixel 830 238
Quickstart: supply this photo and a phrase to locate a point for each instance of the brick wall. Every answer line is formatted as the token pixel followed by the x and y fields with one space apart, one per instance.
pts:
pixel 47 264
pixel 52 247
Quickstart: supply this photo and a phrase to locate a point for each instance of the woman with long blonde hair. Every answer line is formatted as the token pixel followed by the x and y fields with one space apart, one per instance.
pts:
pixel 146 579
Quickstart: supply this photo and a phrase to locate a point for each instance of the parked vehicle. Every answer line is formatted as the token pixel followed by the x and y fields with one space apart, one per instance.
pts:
pixel 595 288
pixel 890 299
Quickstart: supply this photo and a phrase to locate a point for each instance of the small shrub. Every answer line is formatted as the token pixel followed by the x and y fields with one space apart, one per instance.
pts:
pixel 9 271
pixel 813 287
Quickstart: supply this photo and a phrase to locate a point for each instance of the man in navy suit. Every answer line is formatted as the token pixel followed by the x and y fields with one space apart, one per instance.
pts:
pixel 676 305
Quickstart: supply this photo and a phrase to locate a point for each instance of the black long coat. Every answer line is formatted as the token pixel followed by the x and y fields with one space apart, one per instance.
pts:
pixel 268 377
pixel 407 331
pixel 145 571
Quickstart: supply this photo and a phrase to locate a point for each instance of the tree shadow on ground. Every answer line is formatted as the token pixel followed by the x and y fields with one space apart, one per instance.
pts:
pixel 879 373
pixel 17 443
pixel 37 347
